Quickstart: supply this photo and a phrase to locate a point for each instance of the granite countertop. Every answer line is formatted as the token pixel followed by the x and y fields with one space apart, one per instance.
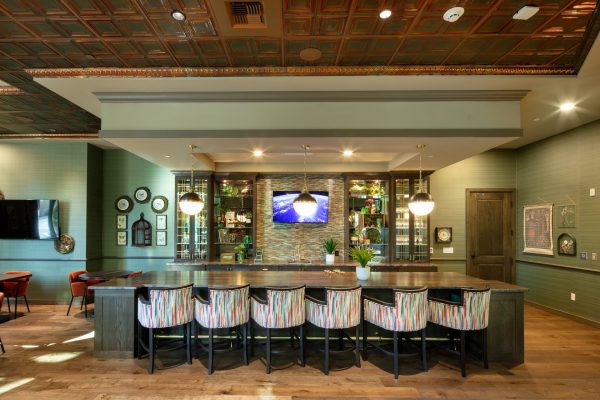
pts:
pixel 300 264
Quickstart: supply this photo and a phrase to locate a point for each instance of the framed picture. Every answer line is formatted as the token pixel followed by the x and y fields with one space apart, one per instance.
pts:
pixel 537 229
pixel 121 221
pixel 567 246
pixel 161 222
pixel 443 235
pixel 121 238
pixel 566 216
pixel 161 238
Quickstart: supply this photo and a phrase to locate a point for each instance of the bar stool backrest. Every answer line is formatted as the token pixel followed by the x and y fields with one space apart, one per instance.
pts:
pixel 477 306
pixel 285 307
pixel 411 309
pixel 343 307
pixel 167 307
pixel 228 307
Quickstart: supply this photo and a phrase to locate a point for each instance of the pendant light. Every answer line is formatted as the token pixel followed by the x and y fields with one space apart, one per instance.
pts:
pixel 305 205
pixel 190 203
pixel 421 203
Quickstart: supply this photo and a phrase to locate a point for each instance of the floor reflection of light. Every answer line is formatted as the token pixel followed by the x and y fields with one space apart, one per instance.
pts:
pixel 89 335
pixel 30 346
pixel 57 357
pixel 50 344
pixel 10 386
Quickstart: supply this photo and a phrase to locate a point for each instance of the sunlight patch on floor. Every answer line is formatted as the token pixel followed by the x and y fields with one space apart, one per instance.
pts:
pixel 57 357
pixel 89 335
pixel 7 387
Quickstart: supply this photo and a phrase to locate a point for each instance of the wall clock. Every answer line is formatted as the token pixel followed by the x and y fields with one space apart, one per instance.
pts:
pixel 142 195
pixel 124 204
pixel 160 204
pixel 443 235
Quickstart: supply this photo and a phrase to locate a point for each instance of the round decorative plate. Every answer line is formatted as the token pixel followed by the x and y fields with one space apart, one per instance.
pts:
pixel 160 204
pixel 65 244
pixel 142 194
pixel 124 204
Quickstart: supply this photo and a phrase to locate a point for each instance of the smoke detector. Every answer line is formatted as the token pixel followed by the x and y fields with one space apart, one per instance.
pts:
pixel 453 14
pixel 526 12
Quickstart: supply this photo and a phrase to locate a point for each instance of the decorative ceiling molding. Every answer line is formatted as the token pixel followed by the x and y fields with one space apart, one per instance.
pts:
pixel 176 72
pixel 49 136
pixel 329 96
pixel 10 91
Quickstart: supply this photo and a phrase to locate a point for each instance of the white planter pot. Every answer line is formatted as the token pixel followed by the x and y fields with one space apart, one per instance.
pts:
pixel 362 274
pixel 329 259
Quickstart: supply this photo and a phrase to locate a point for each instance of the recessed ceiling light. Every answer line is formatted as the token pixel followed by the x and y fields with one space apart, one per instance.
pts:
pixel 526 12
pixel 258 153
pixel 167 156
pixel 453 14
pixel 347 153
pixel 536 119
pixel 567 106
pixel 178 15
pixel 385 14
pixel 310 54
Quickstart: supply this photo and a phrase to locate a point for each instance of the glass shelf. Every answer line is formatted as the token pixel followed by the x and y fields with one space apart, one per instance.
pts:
pixel 191 231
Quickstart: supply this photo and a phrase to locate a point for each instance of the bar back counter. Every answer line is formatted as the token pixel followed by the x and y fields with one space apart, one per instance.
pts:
pixel 115 301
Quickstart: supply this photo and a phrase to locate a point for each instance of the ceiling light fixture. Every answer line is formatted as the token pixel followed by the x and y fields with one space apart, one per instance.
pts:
pixel 421 203
pixel 178 15
pixel 385 14
pixel 305 205
pixel 258 153
pixel 453 14
pixel 190 203
pixel 567 106
pixel 526 12
pixel 348 153
pixel 167 156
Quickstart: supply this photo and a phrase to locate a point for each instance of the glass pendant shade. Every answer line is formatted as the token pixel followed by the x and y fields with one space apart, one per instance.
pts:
pixel 191 203
pixel 421 204
pixel 305 205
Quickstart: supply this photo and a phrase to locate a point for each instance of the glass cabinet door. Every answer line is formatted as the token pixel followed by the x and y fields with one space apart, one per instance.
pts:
pixel 368 216
pixel 402 220
pixel 234 219
pixel 191 240
pixel 412 235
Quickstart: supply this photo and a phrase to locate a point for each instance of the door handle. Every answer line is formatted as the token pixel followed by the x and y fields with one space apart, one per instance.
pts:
pixel 472 255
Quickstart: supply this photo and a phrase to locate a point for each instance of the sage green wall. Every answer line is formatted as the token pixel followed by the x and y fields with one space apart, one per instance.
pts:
pixel 123 172
pixel 560 171
pixel 493 169
pixel 94 208
pixel 46 171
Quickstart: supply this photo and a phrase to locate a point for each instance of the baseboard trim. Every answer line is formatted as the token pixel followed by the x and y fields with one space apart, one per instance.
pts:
pixel 574 317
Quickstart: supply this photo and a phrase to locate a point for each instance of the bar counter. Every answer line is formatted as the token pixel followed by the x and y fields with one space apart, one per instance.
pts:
pixel 115 301
pixel 349 266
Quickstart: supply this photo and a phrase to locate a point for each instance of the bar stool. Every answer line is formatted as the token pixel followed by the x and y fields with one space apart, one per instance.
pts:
pixel 16 288
pixel 470 314
pixel 165 308
pixel 225 308
pixel 1 302
pixel 408 313
pixel 283 308
pixel 340 311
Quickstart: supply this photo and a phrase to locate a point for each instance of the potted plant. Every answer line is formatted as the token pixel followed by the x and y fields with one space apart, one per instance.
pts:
pixel 240 252
pixel 330 245
pixel 363 255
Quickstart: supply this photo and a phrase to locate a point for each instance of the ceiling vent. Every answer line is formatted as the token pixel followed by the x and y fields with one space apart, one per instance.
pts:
pixel 246 14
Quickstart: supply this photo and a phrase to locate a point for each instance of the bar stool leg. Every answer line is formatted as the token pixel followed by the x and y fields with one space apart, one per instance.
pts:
pixel 357 345
pixel 26 303
pixel 210 351
pixel 85 304
pixel 463 353
pixel 70 304
pixel 188 341
pixel 424 349
pixel 138 338
pixel 268 355
pixel 2 346
pixel 151 350
pixel 15 306
pixel 326 367
pixel 484 346
pixel 302 361
pixel 341 340
pixel 252 339
pixel 395 355
pixel 365 344
pixel 246 343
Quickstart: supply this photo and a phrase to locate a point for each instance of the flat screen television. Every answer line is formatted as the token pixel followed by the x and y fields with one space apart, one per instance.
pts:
pixel 283 208
pixel 29 219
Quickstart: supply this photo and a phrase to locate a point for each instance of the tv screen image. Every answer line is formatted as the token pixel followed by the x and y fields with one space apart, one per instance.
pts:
pixel 283 208
pixel 29 219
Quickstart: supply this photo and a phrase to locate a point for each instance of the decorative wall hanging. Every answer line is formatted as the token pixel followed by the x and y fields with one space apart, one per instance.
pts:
pixel 161 222
pixel 566 216
pixel 142 194
pixel 567 245
pixel 537 229
pixel 121 221
pixel 141 232
pixel 122 238
pixel 161 238
pixel 443 235
pixel 124 204
pixel 65 244
pixel 160 204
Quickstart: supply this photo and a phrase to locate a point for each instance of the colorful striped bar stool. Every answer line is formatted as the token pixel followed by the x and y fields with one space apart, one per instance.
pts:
pixel 470 314
pixel 408 313
pixel 225 308
pixel 283 308
pixel 165 308
pixel 340 311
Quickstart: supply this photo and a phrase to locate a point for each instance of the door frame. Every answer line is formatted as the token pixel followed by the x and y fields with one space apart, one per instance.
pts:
pixel 513 221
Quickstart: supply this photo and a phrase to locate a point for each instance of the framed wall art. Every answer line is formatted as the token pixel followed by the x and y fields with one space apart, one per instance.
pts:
pixel 121 238
pixel 161 238
pixel 537 229
pixel 566 216
pixel 121 221
pixel 567 246
pixel 161 222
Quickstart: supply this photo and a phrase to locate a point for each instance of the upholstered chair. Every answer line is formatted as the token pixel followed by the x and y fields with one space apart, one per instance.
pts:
pixel 134 274
pixel 16 288
pixel 78 289
pixel 225 308
pixel 164 308
pixel 470 314
pixel 408 313
pixel 340 311
pixel 1 302
pixel 282 309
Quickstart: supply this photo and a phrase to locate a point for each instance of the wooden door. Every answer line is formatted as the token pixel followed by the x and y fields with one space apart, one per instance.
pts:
pixel 491 234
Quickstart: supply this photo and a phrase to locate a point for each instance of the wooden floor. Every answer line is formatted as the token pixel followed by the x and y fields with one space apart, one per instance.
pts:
pixel 562 362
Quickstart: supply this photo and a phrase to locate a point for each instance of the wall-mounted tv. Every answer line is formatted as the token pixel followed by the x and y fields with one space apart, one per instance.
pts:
pixel 283 208
pixel 29 219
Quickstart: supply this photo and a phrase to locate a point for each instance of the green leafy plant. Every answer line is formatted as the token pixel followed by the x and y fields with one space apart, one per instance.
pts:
pixel 330 245
pixel 362 254
pixel 240 249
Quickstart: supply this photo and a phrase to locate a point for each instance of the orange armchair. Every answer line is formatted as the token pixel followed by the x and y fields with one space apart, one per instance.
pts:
pixel 79 288
pixel 16 288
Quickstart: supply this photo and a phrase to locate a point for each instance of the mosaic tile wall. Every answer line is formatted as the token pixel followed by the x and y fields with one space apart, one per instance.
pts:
pixel 280 241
